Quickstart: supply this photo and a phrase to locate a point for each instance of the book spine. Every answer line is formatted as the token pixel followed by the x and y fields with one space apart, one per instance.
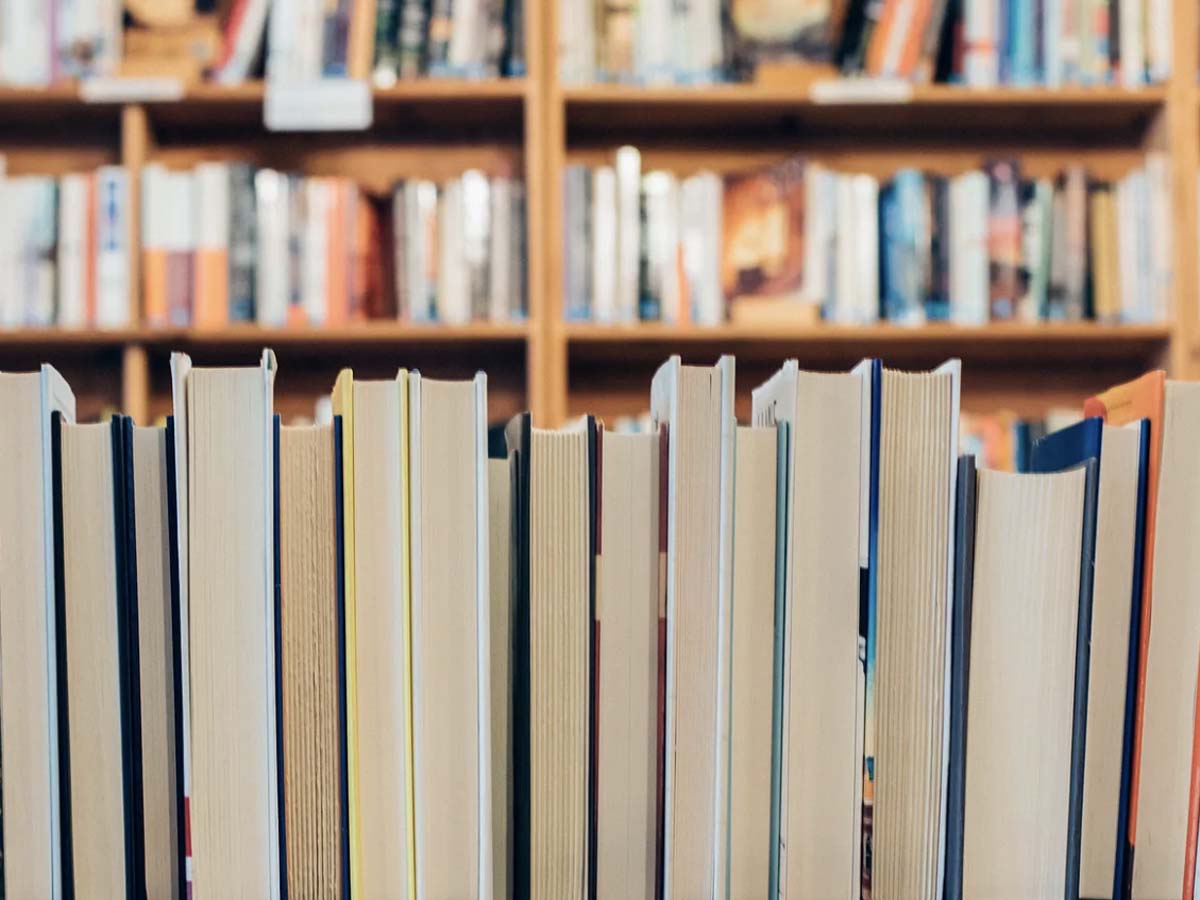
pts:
pixel 937 302
pixel 179 221
pixel 315 255
pixel 154 256
pixel 243 249
pixel 112 247
pixel 387 41
pixel 212 200
pixel 1004 240
pixel 441 30
pixel 500 253
pixel 411 40
pixel 515 64
pixel 476 238
pixel 628 174
pixel 72 248
pixel 1076 243
pixel 980 60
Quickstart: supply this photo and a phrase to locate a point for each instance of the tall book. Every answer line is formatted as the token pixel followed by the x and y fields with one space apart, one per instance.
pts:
pixel 627 665
pixel 752 707
pixel 1116 606
pixel 375 467
pixel 158 657
pixel 32 723
pixel 825 517
pixel 98 596
pixel 312 660
pixel 695 403
pixel 1122 405
pixel 909 613
pixel 234 825
pixel 1030 610
pixel 554 542
pixel 112 247
pixel 450 636
pixel 502 621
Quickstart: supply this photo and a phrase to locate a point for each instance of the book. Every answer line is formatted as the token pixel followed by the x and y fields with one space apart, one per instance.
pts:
pixel 158 645
pixel 451 725
pixel 805 32
pixel 1116 602
pixel 502 621
pixel 234 824
pixel 312 660
pixel 627 665
pixel 97 579
pixel 33 723
pixel 752 671
pixel 908 648
pixel 554 579
pixel 375 472
pixel 762 252
pixel 1142 398
pixel 112 248
pixel 1026 714
pixel 696 405
pixel 825 534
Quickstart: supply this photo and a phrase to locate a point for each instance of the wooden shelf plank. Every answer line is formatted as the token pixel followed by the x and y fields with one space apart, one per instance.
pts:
pixel 1012 343
pixel 968 113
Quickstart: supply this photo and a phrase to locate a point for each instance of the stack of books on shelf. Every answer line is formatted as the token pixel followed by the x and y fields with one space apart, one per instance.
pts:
pixel 979 43
pixel 796 239
pixel 227 242
pixel 64 246
pixel 818 655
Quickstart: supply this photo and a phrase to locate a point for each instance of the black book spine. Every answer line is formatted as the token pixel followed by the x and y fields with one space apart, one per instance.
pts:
pixel 339 494
pixel 960 665
pixel 60 647
pixel 176 642
pixel 278 625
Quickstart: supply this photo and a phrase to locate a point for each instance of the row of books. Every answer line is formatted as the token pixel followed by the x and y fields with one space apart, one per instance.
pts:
pixel 64 246
pixel 980 43
pixel 47 41
pixel 228 242
pixel 389 39
pixel 797 237
pixel 820 655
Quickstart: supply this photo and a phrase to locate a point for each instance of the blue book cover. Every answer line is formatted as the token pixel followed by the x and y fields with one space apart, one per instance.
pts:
pixel 901 217
pixel 1064 449
pixel 1022 42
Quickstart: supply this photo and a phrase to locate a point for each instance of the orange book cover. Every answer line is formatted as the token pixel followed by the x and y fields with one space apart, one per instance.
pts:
pixel 154 286
pixel 1143 398
pixel 211 291
pixel 914 38
pixel 337 296
pixel 879 38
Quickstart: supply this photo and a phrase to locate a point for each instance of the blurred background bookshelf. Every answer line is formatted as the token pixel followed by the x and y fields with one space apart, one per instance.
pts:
pixel 533 119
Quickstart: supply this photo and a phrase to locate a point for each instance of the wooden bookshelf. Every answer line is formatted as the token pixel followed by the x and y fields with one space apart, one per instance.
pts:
pixel 536 126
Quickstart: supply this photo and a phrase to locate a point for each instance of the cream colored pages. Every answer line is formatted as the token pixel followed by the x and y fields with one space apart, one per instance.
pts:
pixel 309 638
pixel 559 626
pixel 93 663
pixel 1112 593
pixel 445 639
pixel 382 669
pixel 689 400
pixel 160 802
pixel 28 683
pixel 916 466
pixel 1025 610
pixel 752 679
pixel 500 511
pixel 1171 662
pixel 229 496
pixel 627 611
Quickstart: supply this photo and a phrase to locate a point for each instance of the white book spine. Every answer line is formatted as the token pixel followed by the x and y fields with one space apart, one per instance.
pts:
pixel 671 288
pixel 969 254
pixel 315 258
pixel 1133 45
pixel 604 243
pixel 271 273
pixel 112 247
pixel 1160 32
pixel 42 228
pixel 452 301
pixel 628 171
pixel 10 305
pixel 72 244
pixel 845 289
pixel 652 48
pixel 1158 177
pixel 866 246
pixel 980 65
pixel 711 309
pixel 212 206
pixel 500 253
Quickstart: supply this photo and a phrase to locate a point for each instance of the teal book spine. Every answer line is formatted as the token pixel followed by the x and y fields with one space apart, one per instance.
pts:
pixel 782 487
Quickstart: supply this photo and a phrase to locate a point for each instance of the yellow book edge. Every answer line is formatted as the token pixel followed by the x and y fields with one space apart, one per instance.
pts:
pixel 343 405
